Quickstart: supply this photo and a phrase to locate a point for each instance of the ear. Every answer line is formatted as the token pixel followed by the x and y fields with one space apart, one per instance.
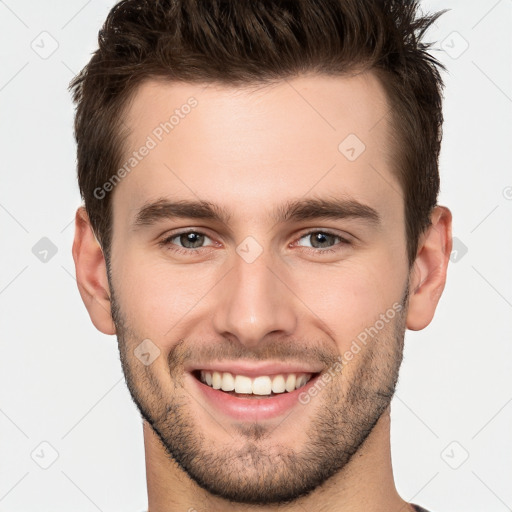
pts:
pixel 428 275
pixel 91 274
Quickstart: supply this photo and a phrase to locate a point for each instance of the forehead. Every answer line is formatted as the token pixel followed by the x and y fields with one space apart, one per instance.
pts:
pixel 249 146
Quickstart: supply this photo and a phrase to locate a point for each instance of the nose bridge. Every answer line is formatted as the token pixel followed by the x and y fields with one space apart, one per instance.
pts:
pixel 254 301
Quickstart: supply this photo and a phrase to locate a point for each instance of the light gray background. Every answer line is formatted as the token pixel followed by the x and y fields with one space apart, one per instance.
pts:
pixel 61 381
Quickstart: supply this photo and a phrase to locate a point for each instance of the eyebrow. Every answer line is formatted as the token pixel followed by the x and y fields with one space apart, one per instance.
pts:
pixel 163 209
pixel 296 210
pixel 332 208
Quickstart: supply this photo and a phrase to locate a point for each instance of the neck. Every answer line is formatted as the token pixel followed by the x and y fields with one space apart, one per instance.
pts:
pixel 365 484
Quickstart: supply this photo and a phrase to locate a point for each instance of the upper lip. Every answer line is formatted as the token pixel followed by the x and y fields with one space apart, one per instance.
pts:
pixel 252 369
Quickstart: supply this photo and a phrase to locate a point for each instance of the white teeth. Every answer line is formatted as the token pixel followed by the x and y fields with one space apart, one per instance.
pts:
pixel 243 384
pixel 300 381
pixel 278 384
pixel 261 385
pixel 228 382
pixel 216 380
pixel 290 382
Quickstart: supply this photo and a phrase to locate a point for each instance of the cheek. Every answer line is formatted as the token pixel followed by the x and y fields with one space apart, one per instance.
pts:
pixel 351 298
pixel 156 296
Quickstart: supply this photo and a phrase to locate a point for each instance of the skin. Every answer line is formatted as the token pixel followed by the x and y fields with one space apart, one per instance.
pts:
pixel 250 151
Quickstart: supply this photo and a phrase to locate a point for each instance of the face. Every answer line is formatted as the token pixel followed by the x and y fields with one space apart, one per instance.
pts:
pixel 259 247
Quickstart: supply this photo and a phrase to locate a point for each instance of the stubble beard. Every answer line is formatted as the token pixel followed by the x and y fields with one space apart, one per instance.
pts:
pixel 252 469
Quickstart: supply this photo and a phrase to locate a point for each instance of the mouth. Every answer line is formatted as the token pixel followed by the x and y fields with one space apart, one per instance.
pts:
pixel 260 386
pixel 251 394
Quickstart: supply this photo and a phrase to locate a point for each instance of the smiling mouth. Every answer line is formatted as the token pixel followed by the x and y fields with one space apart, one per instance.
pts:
pixel 262 386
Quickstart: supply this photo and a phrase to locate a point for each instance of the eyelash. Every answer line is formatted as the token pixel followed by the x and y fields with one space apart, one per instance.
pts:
pixel 166 242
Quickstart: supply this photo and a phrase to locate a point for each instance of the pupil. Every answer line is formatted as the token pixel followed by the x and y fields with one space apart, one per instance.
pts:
pixel 191 240
pixel 320 239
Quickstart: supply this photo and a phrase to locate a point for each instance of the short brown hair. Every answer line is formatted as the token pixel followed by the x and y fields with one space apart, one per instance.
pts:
pixel 242 42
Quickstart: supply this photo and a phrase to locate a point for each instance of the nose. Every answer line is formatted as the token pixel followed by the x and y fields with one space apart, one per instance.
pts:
pixel 254 301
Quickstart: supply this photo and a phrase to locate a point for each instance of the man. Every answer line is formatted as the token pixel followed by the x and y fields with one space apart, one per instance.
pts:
pixel 260 228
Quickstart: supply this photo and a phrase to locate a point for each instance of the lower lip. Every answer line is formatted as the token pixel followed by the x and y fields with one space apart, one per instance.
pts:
pixel 253 409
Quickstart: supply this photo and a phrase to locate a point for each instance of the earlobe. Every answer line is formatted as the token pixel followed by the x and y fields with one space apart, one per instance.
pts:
pixel 428 275
pixel 91 274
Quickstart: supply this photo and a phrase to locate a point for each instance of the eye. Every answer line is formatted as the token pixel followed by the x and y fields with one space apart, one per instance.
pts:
pixel 322 241
pixel 186 242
